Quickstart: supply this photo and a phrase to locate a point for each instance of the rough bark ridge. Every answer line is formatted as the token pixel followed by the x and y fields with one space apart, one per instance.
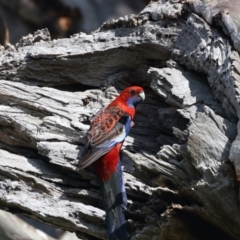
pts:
pixel 179 180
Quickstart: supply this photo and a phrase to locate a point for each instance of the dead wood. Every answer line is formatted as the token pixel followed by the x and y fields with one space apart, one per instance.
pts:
pixel 179 180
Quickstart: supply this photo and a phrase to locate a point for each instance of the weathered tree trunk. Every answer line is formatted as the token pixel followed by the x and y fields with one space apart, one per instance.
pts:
pixel 13 228
pixel 179 180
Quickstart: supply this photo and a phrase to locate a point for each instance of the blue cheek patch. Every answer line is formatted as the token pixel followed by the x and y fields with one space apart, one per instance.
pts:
pixel 131 102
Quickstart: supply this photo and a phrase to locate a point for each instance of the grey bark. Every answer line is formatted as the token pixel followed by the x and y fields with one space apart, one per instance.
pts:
pixel 179 180
pixel 13 228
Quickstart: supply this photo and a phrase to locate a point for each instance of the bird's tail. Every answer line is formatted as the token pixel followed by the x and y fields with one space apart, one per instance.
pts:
pixel 115 200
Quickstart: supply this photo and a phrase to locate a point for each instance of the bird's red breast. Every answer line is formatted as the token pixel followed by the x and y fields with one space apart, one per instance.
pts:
pixel 106 165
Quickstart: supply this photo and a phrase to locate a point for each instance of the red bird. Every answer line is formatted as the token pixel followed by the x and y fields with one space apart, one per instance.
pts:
pixel 104 140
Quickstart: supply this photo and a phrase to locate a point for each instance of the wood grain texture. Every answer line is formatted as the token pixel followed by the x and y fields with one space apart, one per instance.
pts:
pixel 179 180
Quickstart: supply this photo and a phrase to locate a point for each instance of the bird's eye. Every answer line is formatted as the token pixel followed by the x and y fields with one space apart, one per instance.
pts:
pixel 133 92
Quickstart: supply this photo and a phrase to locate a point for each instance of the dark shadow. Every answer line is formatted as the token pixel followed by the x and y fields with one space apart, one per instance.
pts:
pixel 200 228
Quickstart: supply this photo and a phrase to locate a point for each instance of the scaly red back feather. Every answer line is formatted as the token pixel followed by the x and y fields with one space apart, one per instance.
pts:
pixel 103 123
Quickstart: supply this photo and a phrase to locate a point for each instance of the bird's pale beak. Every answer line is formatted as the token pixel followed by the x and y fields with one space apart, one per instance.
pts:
pixel 142 95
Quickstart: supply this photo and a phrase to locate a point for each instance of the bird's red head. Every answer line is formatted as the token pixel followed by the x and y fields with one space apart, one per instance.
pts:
pixel 132 95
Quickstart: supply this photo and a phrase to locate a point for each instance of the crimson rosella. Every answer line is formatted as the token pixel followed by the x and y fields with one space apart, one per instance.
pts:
pixel 104 140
